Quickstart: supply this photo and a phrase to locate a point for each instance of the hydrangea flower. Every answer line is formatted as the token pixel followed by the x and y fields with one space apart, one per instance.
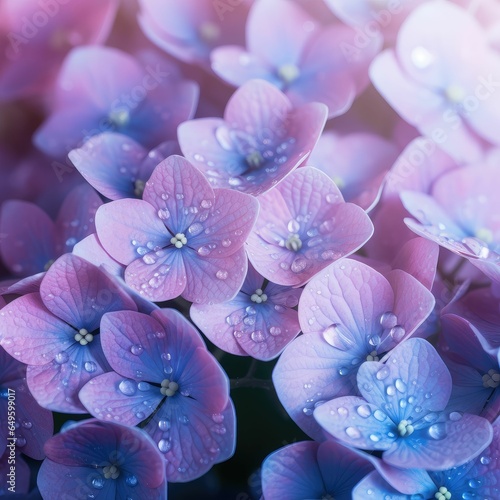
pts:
pixel 442 82
pixel 475 372
pixel 402 412
pixel 286 47
pixel 56 331
pixel 165 377
pixel 101 89
pixel 183 238
pixel 260 140
pixel 116 165
pixel 358 176
pixel 34 425
pixel 349 313
pixel 312 470
pixel 475 479
pixel 102 460
pixel 480 308
pixel 190 29
pixel 460 214
pixel 37 36
pixel 303 226
pixel 260 321
pixel 33 241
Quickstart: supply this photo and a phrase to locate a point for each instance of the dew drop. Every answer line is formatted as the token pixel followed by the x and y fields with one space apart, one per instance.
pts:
pixel 90 366
pixel 364 411
pixel 437 431
pixel 485 460
pixel 127 387
pixel 140 415
pixel 164 425
pixel 164 445
pixel 400 385
pixel 455 416
pixel 221 275
pixel 143 386
pixel 474 483
pixel 383 373
pixel 98 483
pixel 353 432
pixel 61 357
pixel 388 320
pixel 298 265
pixel 257 336
pixel 204 251
pixel 397 333
pixel 379 415
pixel 390 390
pixel 275 330
pixel 136 349
pixel 195 228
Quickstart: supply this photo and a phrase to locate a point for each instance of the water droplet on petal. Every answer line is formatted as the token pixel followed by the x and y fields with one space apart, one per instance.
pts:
pixel 390 390
pixel 90 366
pixel 221 275
pixel 353 432
pixel 298 265
pixel 164 445
pixel 204 251
pixel 437 431
pixel 485 460
pixel 274 330
pixel 257 336
pixel 98 483
pixel 383 373
pixel 164 425
pixel 127 387
pixel 61 357
pixel 400 385
pixel 388 320
pixel 136 349
pixel 364 411
pixel 397 333
pixel 340 337
pixel 195 228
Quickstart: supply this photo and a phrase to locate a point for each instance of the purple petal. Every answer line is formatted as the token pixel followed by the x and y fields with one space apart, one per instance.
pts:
pixel 356 423
pixel 91 250
pixel 126 227
pixel 110 163
pixel 159 275
pixel 191 438
pixel 30 245
pixel 76 217
pixel 117 399
pixel 31 333
pixel 308 372
pixel 179 192
pixel 80 293
pixel 213 279
pixel 55 385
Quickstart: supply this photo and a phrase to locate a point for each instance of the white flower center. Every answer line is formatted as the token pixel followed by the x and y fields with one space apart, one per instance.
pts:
pixel 259 296
pixel 443 494
pixel 373 356
pixel 491 379
pixel 455 93
pixel 139 188
pixel 405 428
pixel 84 337
pixel 288 73
pixel 168 388
pixel 179 240
pixel 293 243
pixel 254 159
pixel 120 116
pixel 111 472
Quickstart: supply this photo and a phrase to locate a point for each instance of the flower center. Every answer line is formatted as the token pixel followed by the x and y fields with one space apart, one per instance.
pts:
pixel 443 494
pixel 83 337
pixel 491 379
pixel 168 388
pixel 373 356
pixel 293 243
pixel 254 159
pixel 179 240
pixel 288 73
pixel 259 296
pixel 139 186
pixel 48 264
pixel 209 32
pixel 120 116
pixel 455 94
pixel 111 472
pixel 405 428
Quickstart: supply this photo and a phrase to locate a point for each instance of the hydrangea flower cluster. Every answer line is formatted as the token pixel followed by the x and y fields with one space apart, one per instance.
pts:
pixel 250 249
